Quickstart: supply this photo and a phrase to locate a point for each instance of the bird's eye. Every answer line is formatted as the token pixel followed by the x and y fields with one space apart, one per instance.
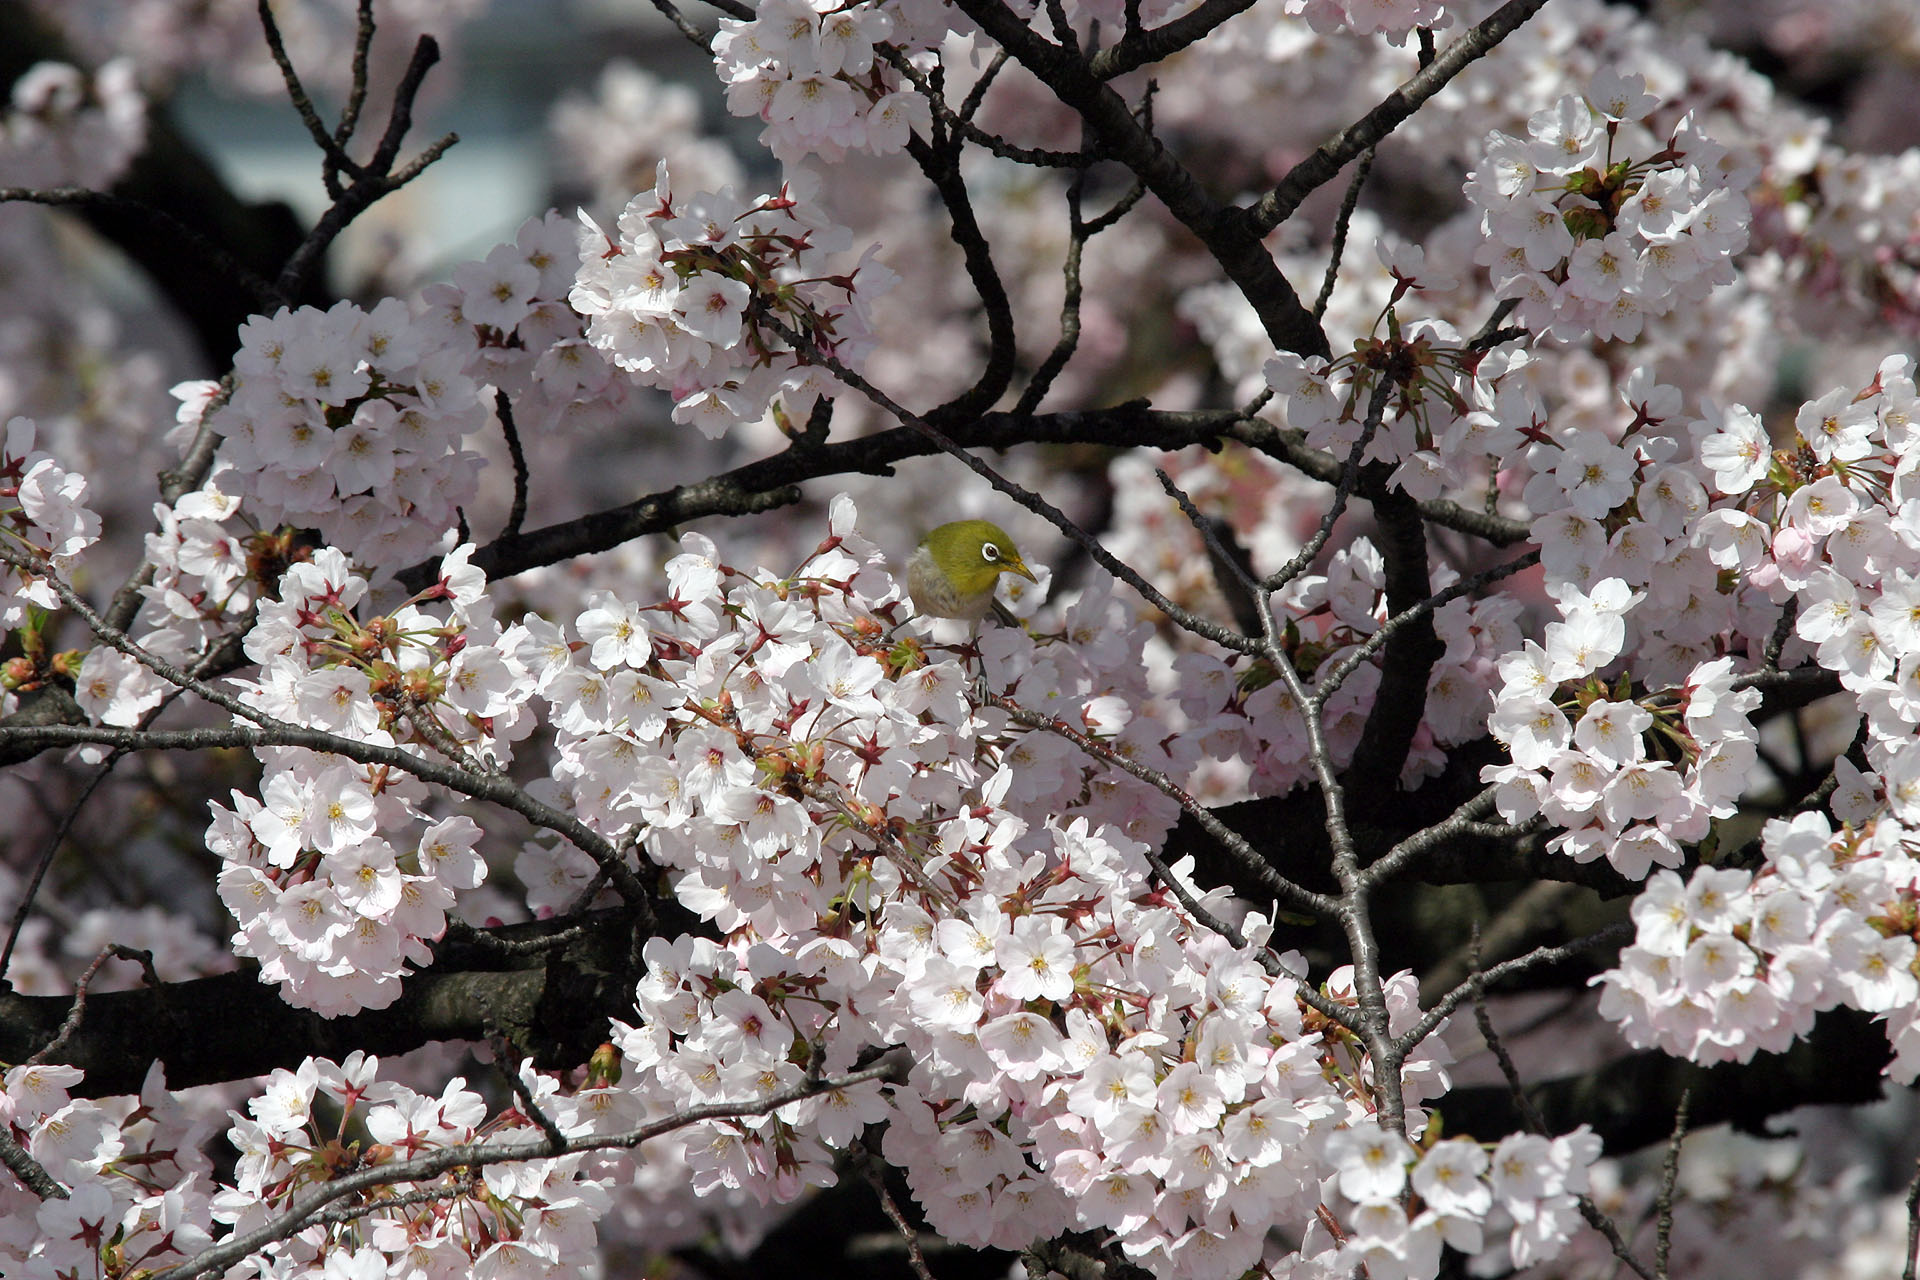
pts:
pixel 989 552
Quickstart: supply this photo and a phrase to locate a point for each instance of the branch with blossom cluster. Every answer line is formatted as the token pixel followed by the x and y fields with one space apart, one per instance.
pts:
pixel 1120 935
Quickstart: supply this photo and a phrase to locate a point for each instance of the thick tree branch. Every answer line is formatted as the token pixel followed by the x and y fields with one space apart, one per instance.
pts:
pixel 774 481
pixel 550 995
pixel 1410 653
pixel 1137 49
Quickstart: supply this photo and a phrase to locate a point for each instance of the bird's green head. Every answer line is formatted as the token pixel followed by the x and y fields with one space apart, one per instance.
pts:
pixel 972 554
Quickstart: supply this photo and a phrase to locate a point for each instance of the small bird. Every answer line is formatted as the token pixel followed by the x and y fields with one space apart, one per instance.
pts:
pixel 955 569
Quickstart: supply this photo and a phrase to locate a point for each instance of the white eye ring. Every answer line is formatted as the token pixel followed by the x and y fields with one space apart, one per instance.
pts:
pixel 989 552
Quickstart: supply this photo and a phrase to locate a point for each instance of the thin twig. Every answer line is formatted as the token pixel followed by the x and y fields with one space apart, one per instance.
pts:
pixel 1229 840
pixel 1534 959
pixel 1466 821
pixel 357 84
pixel 199 670
pixel 503 1057
pixel 336 160
pixel 376 179
pixel 1120 209
pixel 460 931
pixel 1348 203
pixel 876 1176
pixel 1536 909
pixel 684 25
pixel 1354 912
pixel 1782 631
pixel 1342 493
pixel 1490 334
pixel 31 890
pixel 960 124
pixel 1669 1173
pixel 1913 1225
pixel 462 1185
pixel 977 96
pixel 1139 47
pixel 112 951
pixel 1063 349
pixel 1361 652
pixel 1326 162
pixel 941 168
pixel 1535 1121
pixel 1226 233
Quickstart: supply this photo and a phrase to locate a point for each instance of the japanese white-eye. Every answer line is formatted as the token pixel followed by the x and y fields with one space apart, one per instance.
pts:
pixel 955 569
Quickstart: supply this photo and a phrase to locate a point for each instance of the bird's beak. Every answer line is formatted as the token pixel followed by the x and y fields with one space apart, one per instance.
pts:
pixel 1020 567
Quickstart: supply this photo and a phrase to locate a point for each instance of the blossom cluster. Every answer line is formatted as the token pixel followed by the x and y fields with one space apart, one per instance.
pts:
pixel 626 683
pixel 509 313
pixel 1675 547
pixel 820 786
pixel 884 861
pixel 818 781
pixel 351 422
pixel 1829 226
pixel 811 70
pixel 1594 223
pixel 205 561
pixel 1669 547
pixel 337 875
pixel 1730 962
pixel 358 423
pixel 1841 512
pixel 1627 779
pixel 139 1184
pixel 716 299
pixel 1407 1203
pixel 43 513
pixel 527 1218
pixel 143 1197
pixel 1089 675
pixel 1448 409
pixel 205 570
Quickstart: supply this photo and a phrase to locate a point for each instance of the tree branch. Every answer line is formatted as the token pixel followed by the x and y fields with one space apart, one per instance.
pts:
pixel 1226 233
pixel 1327 160
pixel 548 985
pixel 478 1154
